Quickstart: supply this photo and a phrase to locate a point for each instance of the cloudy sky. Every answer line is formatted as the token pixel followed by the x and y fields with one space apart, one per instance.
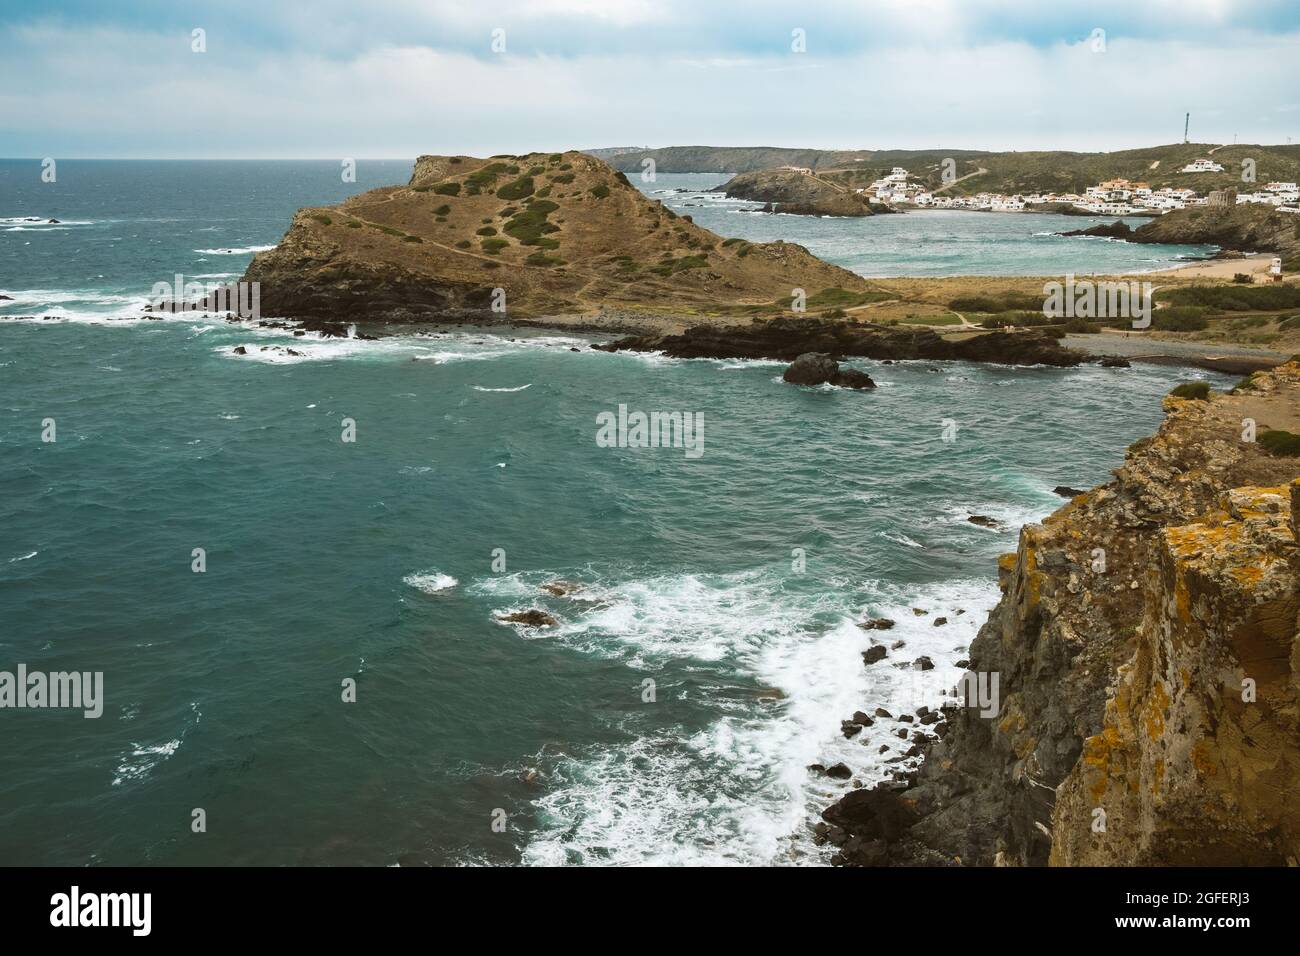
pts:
pixel 394 78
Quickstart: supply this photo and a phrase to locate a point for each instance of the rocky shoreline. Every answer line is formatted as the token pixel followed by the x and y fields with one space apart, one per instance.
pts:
pixel 1147 701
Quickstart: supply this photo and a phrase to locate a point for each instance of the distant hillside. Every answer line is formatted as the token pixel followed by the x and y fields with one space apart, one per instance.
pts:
pixel 560 233
pixel 1007 172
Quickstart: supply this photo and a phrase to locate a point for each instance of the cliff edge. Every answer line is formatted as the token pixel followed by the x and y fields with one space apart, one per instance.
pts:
pixel 1148 669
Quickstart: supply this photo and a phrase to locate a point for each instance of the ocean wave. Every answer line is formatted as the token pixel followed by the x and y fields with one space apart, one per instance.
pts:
pixel 738 791
pixel 430 581
pixel 480 388
pixel 237 251
pixel 140 760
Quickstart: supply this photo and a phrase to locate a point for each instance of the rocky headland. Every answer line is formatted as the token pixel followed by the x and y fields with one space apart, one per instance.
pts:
pixel 793 192
pixel 520 237
pixel 1146 647
pixel 788 338
pixel 1248 227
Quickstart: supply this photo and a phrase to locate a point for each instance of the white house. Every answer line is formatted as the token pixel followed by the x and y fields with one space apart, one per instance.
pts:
pixel 1203 166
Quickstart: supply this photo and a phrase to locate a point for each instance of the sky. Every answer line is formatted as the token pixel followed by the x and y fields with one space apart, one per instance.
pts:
pixel 396 78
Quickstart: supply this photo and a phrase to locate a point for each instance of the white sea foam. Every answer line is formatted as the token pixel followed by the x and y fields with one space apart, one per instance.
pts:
pixel 238 251
pixel 430 582
pixel 738 791
pixel 137 762
pixel 25 557
pixel 480 388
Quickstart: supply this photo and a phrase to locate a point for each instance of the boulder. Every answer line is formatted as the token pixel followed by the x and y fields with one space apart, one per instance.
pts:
pixel 530 618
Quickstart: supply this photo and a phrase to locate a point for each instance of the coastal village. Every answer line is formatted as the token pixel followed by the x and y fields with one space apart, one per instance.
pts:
pixel 1113 197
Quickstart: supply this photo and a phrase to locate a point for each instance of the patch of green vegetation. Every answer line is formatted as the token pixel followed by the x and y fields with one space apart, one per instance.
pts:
pixel 518 189
pixel 1016 319
pixel 508 212
pixel 321 218
pixel 834 296
pixel 540 258
pixel 555 157
pixel 353 224
pixel 1078 326
pixel 386 230
pixel 622 179
pixel 543 192
pixel 463 244
pixel 447 189
pixel 486 176
pixel 536 170
pixel 493 246
pixel 565 167
pixel 442 210
pixel 512 170
pixel 730 242
pixel 1289 323
pixel 531 225
pixel 1228 298
pixel 1179 318
pixel 674 266
pixel 420 189
pixel 1277 442
pixel 1246 384
pixel 454 159
pixel 412 239
pixel 562 178
pixel 1006 302
pixel 485 231
pixel 1195 390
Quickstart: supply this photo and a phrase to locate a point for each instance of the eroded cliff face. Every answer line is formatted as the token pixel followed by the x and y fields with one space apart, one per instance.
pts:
pixel 1149 671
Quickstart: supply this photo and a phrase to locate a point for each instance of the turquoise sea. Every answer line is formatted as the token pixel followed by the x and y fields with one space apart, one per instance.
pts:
pixel 731 581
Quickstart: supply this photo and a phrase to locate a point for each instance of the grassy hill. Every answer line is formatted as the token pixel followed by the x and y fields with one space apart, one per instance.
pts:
pixel 561 233
pixel 1007 172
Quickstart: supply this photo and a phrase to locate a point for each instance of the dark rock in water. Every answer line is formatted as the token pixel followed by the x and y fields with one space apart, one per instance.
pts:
pixel 839 771
pixel 815 368
pixel 984 521
pixel 905 718
pixel 1114 230
pixel 9 298
pixel 963 664
pixel 299 333
pixel 920 611
pixel 54 222
pixel 789 338
pixel 923 663
pixel 1067 492
pixel 897 644
pixel 929 718
pixel 1114 361
pixel 876 624
pixel 561 588
pixel 873 654
pixel 874 814
pixel 849 728
pixel 881 712
pixel 240 350
pixel 574 349
pixel 531 618
pixel 817 768
pixel 940 621
pixel 860 718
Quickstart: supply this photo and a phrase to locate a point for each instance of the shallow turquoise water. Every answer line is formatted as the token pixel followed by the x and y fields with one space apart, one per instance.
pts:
pixel 328 561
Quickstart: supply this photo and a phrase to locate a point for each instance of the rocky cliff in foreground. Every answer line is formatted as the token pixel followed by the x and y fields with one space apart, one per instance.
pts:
pixel 558 232
pixel 1149 671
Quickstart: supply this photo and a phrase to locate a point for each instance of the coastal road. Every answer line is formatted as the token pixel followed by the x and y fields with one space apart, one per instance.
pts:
pixel 979 172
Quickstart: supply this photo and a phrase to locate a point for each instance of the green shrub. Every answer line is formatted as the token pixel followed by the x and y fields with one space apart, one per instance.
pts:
pixel 530 226
pixel 1196 390
pixel 1081 327
pixel 442 210
pixel 321 218
pixel 447 189
pixel 562 178
pixel 493 246
pixel 1179 318
pixel 486 176
pixel 1246 384
pixel 420 189
pixel 1278 442
pixel 412 239
pixel 1007 302
pixel 1229 298
pixel 674 266
pixel 353 224
pixel 555 157
pixel 543 192
pixel 454 159
pixel 1289 323
pixel 536 170
pixel 540 258
pixel 730 242
pixel 485 231
pixel 463 244
pixel 518 189
pixel 1242 278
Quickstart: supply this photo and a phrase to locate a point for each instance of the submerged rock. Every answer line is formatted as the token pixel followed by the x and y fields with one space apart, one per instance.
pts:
pixel 530 618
